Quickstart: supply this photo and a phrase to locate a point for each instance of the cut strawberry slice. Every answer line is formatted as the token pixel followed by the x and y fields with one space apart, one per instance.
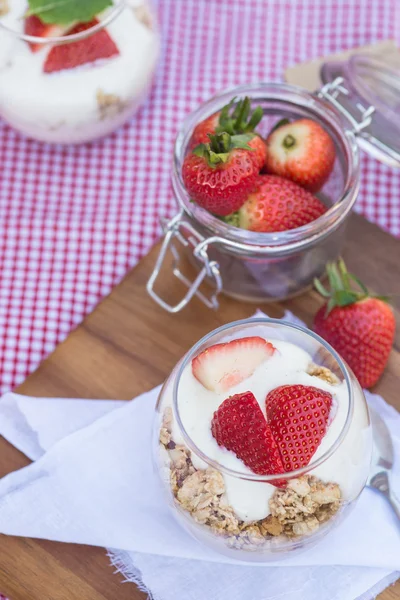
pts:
pixel 222 366
pixel 34 26
pixel 68 56
pixel 240 426
pixel 298 417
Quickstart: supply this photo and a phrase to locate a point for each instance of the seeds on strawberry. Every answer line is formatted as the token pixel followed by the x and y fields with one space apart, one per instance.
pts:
pixel 96 46
pixel 220 175
pixel 298 417
pixel 301 151
pixel 222 366
pixel 358 325
pixel 240 426
pixel 278 205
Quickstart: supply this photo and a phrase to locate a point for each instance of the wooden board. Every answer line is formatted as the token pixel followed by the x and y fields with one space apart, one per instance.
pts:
pixel 126 346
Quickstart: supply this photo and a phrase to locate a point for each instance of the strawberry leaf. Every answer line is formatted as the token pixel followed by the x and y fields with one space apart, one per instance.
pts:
pixel 242 141
pixel 341 292
pixel 63 12
pixel 279 124
pixel 238 118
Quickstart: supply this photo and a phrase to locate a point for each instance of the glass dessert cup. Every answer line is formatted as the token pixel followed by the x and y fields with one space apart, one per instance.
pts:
pixel 83 103
pixel 226 506
pixel 258 267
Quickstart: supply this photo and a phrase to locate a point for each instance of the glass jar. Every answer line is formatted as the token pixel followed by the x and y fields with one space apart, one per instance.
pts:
pixel 83 103
pixel 258 267
pixel 224 504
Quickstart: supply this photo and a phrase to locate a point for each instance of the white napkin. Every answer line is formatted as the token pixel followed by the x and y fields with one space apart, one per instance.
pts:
pixel 93 483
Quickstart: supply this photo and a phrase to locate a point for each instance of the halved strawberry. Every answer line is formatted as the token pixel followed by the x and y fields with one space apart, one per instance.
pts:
pixel 298 417
pixel 240 426
pixel 34 26
pixel 68 56
pixel 222 366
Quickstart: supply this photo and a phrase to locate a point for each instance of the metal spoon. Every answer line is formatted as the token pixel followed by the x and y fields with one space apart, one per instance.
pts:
pixel 382 460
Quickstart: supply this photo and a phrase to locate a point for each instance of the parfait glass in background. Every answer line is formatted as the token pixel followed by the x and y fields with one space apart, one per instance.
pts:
pixel 82 103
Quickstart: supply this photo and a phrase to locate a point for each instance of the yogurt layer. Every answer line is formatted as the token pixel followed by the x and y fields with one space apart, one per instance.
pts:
pixel 79 104
pixel 348 466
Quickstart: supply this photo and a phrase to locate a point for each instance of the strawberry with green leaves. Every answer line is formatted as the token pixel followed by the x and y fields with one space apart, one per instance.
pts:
pixel 220 174
pixel 235 119
pixel 359 325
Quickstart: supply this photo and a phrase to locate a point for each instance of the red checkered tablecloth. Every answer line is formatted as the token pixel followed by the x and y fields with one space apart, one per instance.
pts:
pixel 73 220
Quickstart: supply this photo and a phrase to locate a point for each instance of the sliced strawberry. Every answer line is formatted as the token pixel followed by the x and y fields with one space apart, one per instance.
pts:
pixel 34 26
pixel 222 366
pixel 298 417
pixel 240 426
pixel 87 50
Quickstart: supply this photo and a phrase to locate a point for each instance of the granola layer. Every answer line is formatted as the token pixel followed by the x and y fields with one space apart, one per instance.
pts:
pixel 297 510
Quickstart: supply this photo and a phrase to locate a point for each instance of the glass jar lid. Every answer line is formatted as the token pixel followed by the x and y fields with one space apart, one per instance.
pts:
pixel 366 91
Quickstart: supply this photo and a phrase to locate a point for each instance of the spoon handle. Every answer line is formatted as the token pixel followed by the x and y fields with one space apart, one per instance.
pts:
pixel 381 482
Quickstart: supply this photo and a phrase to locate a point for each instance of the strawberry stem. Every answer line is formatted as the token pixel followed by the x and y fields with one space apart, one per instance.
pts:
pixel 341 292
pixel 218 149
pixel 289 141
pixel 239 120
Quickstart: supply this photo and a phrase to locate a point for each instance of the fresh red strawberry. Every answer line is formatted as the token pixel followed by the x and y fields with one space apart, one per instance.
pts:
pixel 34 26
pixel 220 175
pixel 240 426
pixel 358 325
pixel 67 56
pixel 222 366
pixel 301 151
pixel 202 129
pixel 298 417
pixel 278 205
pixel 234 119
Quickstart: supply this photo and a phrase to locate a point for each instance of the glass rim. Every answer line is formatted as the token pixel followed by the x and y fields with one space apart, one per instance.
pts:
pixel 110 14
pixel 253 476
pixel 277 242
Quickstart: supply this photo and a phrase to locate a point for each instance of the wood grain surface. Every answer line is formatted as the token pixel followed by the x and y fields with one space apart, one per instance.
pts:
pixel 128 345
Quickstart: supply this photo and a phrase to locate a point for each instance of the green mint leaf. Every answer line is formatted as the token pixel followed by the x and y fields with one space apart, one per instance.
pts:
pixel 63 12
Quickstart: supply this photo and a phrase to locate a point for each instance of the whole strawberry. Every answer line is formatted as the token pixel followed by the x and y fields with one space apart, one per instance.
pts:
pixel 301 151
pixel 278 204
pixel 220 175
pixel 358 325
pixel 234 119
